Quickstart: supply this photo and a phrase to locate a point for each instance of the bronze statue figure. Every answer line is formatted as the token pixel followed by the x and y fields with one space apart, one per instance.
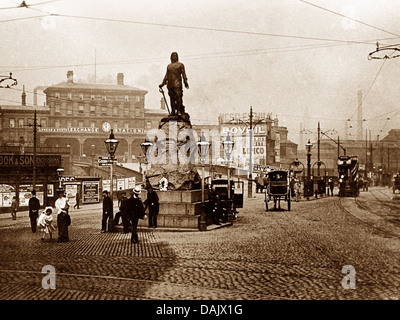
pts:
pixel 173 80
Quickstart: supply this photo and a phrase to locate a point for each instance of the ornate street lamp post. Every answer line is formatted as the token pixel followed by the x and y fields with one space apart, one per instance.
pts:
pixel 308 187
pixel 145 147
pixel 203 148
pixel 228 148
pixel 111 146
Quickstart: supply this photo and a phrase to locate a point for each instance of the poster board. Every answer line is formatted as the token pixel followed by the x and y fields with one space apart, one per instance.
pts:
pixel 90 191
pixel 25 194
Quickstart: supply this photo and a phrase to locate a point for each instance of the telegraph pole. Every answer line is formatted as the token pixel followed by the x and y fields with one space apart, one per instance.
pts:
pixel 319 158
pixel 250 183
pixel 34 125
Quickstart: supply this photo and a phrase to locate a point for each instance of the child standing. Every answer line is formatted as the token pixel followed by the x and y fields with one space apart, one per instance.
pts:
pixel 46 222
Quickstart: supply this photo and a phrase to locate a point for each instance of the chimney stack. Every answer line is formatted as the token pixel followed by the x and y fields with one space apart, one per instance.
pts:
pixel 276 122
pixel 23 96
pixel 120 79
pixel 70 76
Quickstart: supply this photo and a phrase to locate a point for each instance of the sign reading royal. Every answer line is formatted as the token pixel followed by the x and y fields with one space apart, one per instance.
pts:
pixel 11 160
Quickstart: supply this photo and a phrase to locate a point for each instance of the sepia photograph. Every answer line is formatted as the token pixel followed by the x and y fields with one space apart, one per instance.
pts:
pixel 205 158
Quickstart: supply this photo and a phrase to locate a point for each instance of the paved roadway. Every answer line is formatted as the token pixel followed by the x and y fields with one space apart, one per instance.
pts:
pixel 264 255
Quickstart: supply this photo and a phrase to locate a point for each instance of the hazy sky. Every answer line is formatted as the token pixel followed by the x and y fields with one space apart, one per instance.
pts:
pixel 293 58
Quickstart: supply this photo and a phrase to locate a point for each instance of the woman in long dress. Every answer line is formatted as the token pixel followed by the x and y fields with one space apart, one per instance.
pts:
pixel 63 218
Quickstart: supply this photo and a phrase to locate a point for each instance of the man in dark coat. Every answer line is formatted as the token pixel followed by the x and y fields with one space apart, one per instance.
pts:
pixel 173 80
pixel 107 210
pixel 123 213
pixel 152 202
pixel 135 212
pixel 77 199
pixel 34 206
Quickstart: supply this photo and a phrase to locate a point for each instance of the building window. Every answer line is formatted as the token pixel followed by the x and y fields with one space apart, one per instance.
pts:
pixel 81 96
pixel 92 109
pixel 115 111
pixel 43 123
pixel 69 123
pixel 69 95
pixel 57 123
pixel 126 110
pixel 57 95
pixel 137 112
pixel 12 123
pixel 57 108
pixel 148 125
pixel 126 125
pixel 80 124
pixel 92 96
pixel 126 98
pixel 137 98
pixel 104 98
pixel 69 109
pixel 20 123
pixel 103 109
pixel 81 109
pixel 92 124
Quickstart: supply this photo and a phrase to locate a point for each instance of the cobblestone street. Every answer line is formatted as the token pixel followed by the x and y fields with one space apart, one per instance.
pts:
pixel 297 254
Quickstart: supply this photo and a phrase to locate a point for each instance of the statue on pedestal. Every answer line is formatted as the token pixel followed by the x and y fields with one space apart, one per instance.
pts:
pixel 173 79
pixel 177 138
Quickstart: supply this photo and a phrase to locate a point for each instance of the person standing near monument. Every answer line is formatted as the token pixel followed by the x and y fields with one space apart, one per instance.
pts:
pixel 173 79
pixel 152 202
pixel 107 211
pixel 135 212
pixel 34 206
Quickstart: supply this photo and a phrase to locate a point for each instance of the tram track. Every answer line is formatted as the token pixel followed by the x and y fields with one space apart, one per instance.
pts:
pixel 114 285
pixel 391 206
pixel 366 223
pixel 332 255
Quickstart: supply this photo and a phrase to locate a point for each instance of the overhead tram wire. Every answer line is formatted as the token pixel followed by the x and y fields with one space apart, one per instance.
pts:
pixel 352 19
pixel 223 54
pixel 369 89
pixel 194 28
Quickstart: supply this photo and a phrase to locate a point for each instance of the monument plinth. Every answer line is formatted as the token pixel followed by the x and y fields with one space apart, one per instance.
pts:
pixel 180 204
pixel 181 175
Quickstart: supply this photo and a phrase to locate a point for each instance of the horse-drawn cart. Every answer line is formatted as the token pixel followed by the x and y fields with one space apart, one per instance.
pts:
pixel 278 188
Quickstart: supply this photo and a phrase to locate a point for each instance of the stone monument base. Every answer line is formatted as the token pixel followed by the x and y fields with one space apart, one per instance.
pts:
pixel 179 209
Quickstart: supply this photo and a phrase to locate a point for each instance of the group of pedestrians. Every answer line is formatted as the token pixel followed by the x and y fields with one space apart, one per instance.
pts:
pixel 130 211
pixel 45 220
